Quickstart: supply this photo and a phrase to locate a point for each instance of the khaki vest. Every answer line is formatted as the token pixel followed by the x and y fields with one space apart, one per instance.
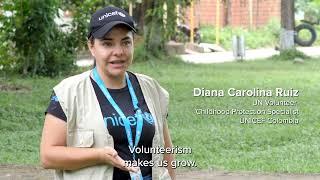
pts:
pixel 85 125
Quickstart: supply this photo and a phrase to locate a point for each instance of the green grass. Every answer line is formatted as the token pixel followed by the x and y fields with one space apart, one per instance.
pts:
pixel 266 36
pixel 218 142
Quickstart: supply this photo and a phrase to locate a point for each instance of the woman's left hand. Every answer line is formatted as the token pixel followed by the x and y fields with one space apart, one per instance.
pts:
pixel 110 156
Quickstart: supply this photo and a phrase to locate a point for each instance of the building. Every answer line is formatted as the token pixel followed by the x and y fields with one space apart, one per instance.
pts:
pixel 235 13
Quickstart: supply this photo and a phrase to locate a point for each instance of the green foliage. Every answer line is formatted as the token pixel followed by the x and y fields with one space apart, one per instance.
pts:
pixel 7 59
pixel 142 55
pixel 35 44
pixel 311 9
pixel 266 36
pixel 82 11
pixel 158 31
pixel 155 33
pixel 317 42
pixel 290 55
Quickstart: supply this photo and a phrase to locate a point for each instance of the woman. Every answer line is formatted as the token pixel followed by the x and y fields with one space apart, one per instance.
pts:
pixel 96 119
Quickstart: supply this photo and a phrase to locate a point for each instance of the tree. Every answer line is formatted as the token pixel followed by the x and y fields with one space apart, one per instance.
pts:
pixel 287 25
pixel 32 42
pixel 156 30
pixel 149 15
pixel 309 8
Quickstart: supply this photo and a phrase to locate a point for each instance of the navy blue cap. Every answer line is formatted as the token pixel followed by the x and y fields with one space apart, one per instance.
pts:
pixel 103 20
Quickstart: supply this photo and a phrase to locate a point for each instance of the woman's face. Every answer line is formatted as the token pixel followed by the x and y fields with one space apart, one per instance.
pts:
pixel 114 52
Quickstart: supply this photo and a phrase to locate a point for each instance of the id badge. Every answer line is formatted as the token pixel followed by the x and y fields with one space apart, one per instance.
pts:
pixel 136 175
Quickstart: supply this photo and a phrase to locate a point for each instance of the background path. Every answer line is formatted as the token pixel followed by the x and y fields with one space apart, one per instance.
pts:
pixel 254 54
pixel 25 172
pixel 221 57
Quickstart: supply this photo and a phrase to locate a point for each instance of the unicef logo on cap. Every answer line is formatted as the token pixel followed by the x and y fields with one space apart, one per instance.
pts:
pixel 121 14
pixel 114 13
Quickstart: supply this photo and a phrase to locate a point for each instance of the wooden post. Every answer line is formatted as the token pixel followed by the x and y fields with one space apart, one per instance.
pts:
pixel 250 14
pixel 178 14
pixel 165 15
pixel 130 8
pixel 191 21
pixel 217 21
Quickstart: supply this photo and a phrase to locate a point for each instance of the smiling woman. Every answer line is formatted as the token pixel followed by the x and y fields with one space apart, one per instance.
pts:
pixel 78 141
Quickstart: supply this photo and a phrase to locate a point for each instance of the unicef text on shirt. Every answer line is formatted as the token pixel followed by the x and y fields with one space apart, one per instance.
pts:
pixel 118 121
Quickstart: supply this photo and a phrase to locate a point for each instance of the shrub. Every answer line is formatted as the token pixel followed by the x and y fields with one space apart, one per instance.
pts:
pixel 32 41
pixel 266 36
pixel 289 55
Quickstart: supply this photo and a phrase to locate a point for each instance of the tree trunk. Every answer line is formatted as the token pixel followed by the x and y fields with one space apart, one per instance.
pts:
pixel 228 13
pixel 138 15
pixel 287 25
pixel 154 28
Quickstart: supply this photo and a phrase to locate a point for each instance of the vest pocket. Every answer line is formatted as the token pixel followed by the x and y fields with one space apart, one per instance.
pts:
pixel 81 138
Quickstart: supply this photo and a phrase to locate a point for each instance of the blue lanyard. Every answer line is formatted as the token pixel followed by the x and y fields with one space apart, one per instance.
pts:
pixel 138 112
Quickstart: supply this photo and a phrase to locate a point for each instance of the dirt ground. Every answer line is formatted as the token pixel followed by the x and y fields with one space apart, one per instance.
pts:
pixel 17 172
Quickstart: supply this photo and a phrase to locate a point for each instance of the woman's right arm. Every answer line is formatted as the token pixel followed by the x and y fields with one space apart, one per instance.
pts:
pixel 54 153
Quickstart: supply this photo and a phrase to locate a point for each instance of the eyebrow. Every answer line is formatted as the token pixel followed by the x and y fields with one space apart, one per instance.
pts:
pixel 110 39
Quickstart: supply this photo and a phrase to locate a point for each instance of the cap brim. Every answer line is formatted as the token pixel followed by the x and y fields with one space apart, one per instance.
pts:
pixel 107 27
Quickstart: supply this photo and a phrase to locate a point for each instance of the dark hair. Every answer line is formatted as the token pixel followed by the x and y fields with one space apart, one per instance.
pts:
pixel 91 40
